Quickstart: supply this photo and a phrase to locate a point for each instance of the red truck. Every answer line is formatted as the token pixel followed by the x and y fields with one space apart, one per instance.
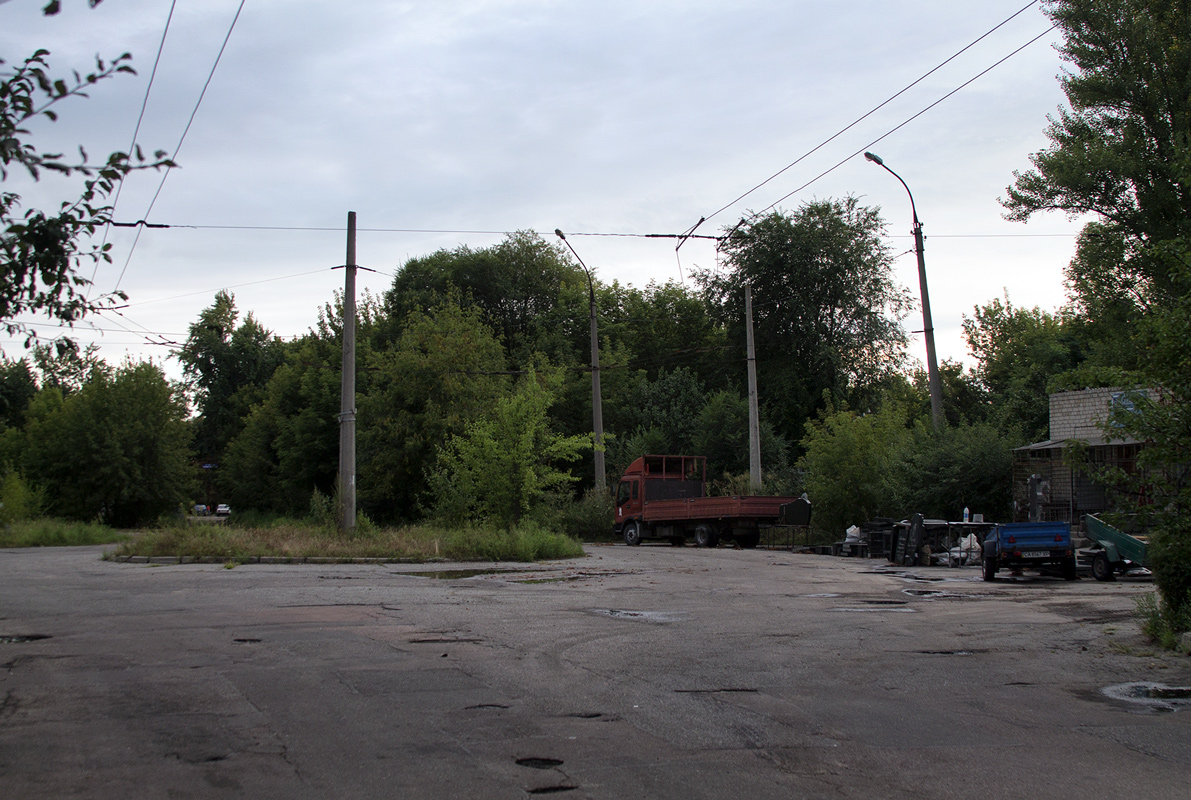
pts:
pixel 663 497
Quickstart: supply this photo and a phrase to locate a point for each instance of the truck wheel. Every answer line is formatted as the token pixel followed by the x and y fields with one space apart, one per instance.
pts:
pixel 1069 569
pixel 632 533
pixel 990 569
pixel 1102 568
pixel 706 536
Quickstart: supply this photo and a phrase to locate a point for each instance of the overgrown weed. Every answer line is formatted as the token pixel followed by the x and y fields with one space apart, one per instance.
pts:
pixel 51 532
pixel 1161 622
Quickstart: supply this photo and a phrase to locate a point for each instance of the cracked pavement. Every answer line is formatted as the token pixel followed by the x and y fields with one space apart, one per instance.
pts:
pixel 635 672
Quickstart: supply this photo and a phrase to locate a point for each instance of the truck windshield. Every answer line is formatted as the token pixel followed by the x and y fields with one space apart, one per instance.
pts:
pixel 622 493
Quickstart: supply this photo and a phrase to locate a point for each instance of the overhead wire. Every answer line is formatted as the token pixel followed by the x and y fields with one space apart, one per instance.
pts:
pixel 181 139
pixel 137 129
pixel 865 116
pixel 904 123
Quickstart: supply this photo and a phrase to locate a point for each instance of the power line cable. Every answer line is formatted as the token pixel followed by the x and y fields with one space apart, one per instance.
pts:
pixel 861 118
pixel 181 139
pixel 906 122
pixel 136 130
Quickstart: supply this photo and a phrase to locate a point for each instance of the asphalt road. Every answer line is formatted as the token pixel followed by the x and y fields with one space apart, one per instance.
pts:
pixel 636 672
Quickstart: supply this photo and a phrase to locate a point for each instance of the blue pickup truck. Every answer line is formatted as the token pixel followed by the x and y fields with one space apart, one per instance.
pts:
pixel 1016 545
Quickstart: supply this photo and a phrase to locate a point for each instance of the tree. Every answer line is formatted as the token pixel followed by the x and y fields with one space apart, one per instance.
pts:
pixel 226 367
pixel 965 465
pixel 506 462
pixel 445 370
pixel 852 465
pixel 518 284
pixel 116 450
pixel 17 388
pixel 288 445
pixel 41 252
pixel 826 310
pixel 1019 351
pixel 1123 153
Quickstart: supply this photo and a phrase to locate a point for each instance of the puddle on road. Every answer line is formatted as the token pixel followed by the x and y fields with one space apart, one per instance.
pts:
pixel 458 574
pixel 642 616
pixel 879 609
pixel 1154 696
pixel 32 637
pixel 821 594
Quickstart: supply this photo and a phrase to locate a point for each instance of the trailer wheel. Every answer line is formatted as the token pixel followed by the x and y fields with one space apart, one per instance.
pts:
pixel 990 569
pixel 706 536
pixel 1102 568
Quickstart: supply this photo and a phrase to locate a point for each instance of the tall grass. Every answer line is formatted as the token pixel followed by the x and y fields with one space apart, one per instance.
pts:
pixel 528 542
pixel 49 532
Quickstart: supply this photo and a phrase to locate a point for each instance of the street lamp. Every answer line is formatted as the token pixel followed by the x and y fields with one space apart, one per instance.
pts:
pixel 597 413
pixel 932 366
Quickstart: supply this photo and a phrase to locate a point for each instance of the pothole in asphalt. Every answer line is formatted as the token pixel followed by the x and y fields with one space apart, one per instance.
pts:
pixel 247 641
pixel 1154 696
pixel 32 637
pixel 950 652
pixel 586 715
pixel 643 616
pixel 552 789
pixel 456 574
pixel 336 578
pixel 486 707
pixel 878 609
pixel 539 763
pixel 884 602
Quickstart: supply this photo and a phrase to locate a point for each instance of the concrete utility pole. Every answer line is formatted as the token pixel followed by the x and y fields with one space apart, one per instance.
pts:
pixel 597 411
pixel 754 416
pixel 932 366
pixel 347 402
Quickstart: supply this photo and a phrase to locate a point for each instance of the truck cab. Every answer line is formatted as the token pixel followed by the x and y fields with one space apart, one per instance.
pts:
pixel 651 478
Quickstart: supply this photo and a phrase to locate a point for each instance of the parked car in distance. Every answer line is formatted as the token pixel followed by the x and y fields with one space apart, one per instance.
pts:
pixel 223 510
pixel 201 510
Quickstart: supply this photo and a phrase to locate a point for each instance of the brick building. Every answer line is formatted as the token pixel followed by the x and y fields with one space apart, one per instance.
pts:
pixel 1067 494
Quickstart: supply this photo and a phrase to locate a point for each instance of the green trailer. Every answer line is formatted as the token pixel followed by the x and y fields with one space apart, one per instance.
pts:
pixel 1118 550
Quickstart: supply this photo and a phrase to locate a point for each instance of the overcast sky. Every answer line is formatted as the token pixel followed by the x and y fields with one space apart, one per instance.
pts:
pixel 500 115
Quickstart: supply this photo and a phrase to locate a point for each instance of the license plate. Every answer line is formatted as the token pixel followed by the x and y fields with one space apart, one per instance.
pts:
pixel 1036 554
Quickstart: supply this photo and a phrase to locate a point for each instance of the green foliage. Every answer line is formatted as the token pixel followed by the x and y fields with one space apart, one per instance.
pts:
pixel 526 541
pixel 851 462
pixel 234 543
pixel 505 463
pixel 226 368
pixel 588 519
pixel 41 253
pixel 1018 352
pixel 289 443
pixel 1161 621
pixel 518 285
pixel 18 499
pixel 116 450
pixel 957 467
pixel 48 532
pixel 17 388
pixel 1122 151
pixel 443 371
pixel 826 313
